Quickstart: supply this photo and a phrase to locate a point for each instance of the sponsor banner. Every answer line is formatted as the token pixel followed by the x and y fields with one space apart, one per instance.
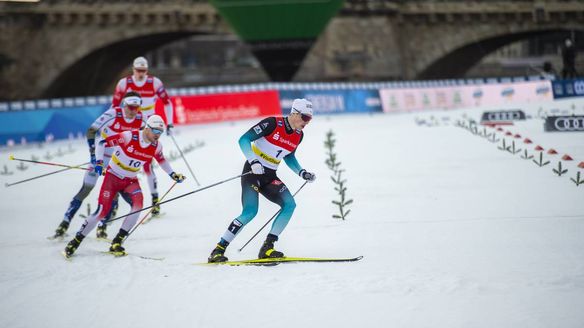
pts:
pixel 334 101
pixel 502 117
pixel 464 96
pixel 568 88
pixel 223 107
pixel 47 124
pixel 572 123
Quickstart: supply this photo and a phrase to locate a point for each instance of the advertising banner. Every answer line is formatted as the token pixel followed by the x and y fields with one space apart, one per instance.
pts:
pixel 464 96
pixel 573 123
pixel 502 117
pixel 334 101
pixel 568 88
pixel 47 124
pixel 223 107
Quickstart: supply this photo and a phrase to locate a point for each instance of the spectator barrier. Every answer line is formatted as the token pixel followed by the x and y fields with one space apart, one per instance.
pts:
pixel 334 101
pixel 464 96
pixel 45 120
pixel 220 107
pixel 568 88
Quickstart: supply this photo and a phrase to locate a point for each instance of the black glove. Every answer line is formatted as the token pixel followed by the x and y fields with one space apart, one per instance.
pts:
pixel 168 127
pixel 177 177
pixel 308 176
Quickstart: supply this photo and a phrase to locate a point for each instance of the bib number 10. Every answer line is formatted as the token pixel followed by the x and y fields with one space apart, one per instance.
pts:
pixel 134 163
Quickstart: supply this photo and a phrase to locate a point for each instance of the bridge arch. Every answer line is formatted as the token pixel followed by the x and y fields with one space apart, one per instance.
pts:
pixel 457 62
pixel 95 72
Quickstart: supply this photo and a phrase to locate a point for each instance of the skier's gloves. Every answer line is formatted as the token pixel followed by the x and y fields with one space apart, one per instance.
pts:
pixel 98 167
pixel 257 167
pixel 168 127
pixel 92 159
pixel 308 176
pixel 177 177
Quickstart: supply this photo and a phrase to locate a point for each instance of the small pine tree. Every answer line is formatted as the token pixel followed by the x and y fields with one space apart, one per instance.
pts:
pixel 334 166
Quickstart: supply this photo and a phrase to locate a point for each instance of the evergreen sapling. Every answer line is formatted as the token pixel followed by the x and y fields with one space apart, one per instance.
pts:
pixel 337 178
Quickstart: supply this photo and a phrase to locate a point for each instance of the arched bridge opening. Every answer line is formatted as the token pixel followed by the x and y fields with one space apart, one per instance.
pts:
pixel 456 63
pixel 95 73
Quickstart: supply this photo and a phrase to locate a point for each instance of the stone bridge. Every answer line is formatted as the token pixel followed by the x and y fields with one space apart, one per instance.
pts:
pixel 64 48
pixel 69 48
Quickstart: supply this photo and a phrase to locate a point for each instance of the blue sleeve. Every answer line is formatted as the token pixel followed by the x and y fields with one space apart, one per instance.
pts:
pixel 245 145
pixel 263 128
pixel 292 163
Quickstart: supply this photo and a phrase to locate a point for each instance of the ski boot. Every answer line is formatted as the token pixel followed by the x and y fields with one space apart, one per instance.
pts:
pixel 155 206
pixel 267 250
pixel 116 247
pixel 101 232
pixel 61 229
pixel 73 245
pixel 218 255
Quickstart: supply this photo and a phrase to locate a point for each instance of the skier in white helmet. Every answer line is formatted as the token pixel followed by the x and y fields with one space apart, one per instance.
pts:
pixel 150 89
pixel 264 146
pixel 132 151
pixel 114 120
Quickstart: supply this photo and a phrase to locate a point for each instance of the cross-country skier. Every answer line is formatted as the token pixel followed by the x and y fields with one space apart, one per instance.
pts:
pixel 113 121
pixel 264 146
pixel 151 89
pixel 132 151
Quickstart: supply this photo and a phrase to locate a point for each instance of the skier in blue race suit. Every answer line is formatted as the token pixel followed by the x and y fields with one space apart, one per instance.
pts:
pixel 264 147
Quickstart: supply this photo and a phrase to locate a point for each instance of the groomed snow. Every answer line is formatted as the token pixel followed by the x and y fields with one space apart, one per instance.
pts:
pixel 454 233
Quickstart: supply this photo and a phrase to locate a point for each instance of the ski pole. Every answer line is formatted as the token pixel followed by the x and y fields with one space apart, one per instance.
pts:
pixel 184 159
pixel 151 209
pixel 12 158
pixel 40 176
pixel 181 196
pixel 270 220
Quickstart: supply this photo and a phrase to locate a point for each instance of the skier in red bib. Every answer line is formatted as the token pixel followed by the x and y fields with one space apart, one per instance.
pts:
pixel 114 120
pixel 265 145
pixel 150 89
pixel 133 150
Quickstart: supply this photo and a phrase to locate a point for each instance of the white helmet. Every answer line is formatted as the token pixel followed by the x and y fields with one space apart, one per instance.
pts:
pixel 140 63
pixel 132 100
pixel 302 106
pixel 155 122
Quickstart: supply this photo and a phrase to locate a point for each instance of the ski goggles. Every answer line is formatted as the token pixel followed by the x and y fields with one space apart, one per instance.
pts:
pixel 304 117
pixel 155 130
